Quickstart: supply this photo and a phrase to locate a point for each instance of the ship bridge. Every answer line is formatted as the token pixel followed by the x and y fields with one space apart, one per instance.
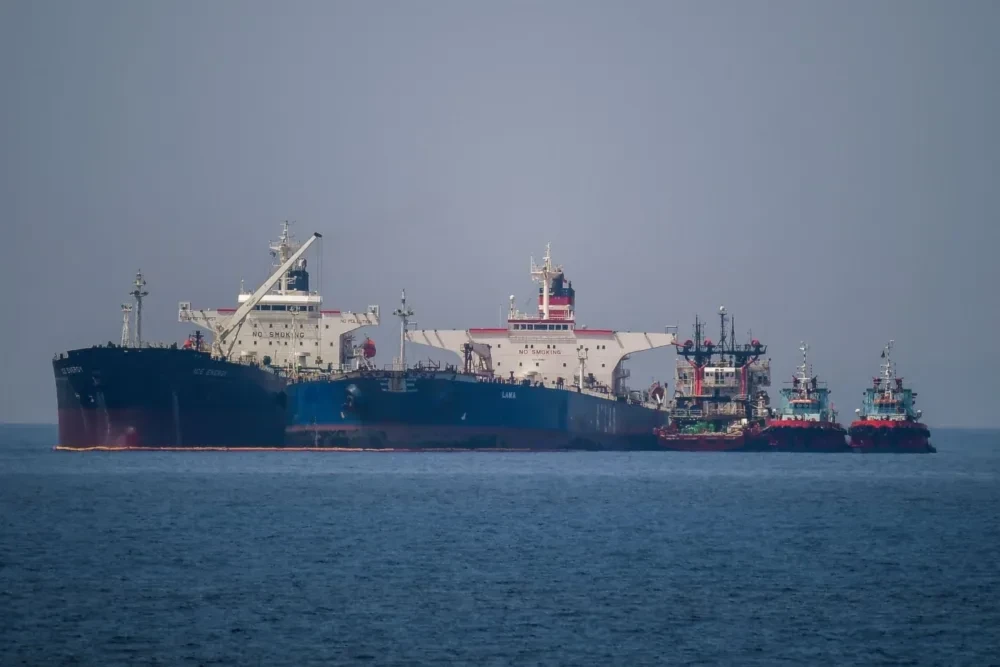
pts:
pixel 288 326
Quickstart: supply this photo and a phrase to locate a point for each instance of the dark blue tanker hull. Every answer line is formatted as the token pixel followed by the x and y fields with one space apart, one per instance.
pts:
pixel 165 398
pixel 436 411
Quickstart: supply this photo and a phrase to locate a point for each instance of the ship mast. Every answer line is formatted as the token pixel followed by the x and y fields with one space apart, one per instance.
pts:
pixel 138 292
pixel 404 314
pixel 888 371
pixel 581 355
pixel 281 250
pixel 544 275
pixel 126 332
pixel 802 384
pixel 722 330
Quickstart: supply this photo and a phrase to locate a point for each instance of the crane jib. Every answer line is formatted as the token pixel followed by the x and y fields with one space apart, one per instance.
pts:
pixel 223 341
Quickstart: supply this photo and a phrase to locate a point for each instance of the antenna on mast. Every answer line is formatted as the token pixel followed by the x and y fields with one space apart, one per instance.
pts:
pixel 887 369
pixel 282 249
pixel 404 314
pixel 137 293
pixel 544 275
pixel 722 328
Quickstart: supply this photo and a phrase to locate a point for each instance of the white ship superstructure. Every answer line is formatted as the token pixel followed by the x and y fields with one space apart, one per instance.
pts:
pixel 288 327
pixel 549 347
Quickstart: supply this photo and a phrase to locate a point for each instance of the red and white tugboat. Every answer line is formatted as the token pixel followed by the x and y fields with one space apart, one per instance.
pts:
pixel 887 421
pixel 805 422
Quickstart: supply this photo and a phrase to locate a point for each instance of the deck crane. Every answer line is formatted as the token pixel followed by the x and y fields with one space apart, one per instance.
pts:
pixel 224 335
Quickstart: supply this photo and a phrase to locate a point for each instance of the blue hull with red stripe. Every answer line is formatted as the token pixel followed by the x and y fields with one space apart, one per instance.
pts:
pixel 434 410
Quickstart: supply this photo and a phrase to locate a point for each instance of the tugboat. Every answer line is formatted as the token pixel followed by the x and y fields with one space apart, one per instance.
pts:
pixel 887 422
pixel 805 422
pixel 719 401
pixel 541 382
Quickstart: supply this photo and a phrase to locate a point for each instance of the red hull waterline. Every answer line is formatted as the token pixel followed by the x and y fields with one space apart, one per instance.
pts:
pixel 805 436
pixel 711 442
pixel 890 437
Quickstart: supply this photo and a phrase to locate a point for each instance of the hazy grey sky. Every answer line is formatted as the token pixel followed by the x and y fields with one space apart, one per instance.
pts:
pixel 828 170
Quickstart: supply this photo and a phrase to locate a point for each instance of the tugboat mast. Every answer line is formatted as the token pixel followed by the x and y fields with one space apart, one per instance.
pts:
pixel 138 292
pixel 887 371
pixel 804 370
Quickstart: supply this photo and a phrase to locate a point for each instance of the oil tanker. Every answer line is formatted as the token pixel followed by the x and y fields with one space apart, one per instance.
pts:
pixel 226 394
pixel 542 382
